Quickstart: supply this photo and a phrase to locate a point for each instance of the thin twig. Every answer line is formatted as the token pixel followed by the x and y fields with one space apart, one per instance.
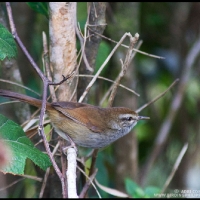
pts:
pixel 15 35
pixel 109 90
pixel 32 116
pixel 47 173
pixel 54 99
pixel 158 97
pixel 112 191
pixel 125 66
pixel 13 183
pixel 123 45
pixel 175 167
pixel 91 173
pixel 94 157
pixel 17 84
pixel 174 108
pixel 31 177
pixel 101 68
pixel 45 87
pixel 82 42
pixel 47 65
pixel 8 102
pixel 16 101
pixel 109 80
pixel 87 185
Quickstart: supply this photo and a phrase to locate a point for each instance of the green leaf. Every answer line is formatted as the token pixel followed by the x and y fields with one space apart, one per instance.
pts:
pixel 133 189
pixel 21 148
pixel 150 191
pixel 137 192
pixel 40 7
pixel 8 46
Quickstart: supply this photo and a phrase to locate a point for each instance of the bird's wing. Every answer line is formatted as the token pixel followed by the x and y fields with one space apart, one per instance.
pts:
pixel 84 114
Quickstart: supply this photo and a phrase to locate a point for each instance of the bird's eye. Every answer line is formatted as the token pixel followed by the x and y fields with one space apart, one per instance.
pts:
pixel 128 119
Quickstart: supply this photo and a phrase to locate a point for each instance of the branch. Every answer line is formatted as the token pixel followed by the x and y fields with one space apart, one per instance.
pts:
pixel 102 66
pixel 175 105
pixel 47 173
pixel 71 173
pixel 158 97
pixel 109 80
pixel 115 82
pixel 123 45
pixel 125 66
pixel 175 167
pixel 45 87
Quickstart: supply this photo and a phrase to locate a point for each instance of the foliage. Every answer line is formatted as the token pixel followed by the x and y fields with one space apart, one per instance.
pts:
pixel 137 192
pixel 8 46
pixel 21 148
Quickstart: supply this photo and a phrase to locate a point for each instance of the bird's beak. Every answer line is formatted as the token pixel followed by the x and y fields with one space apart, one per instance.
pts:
pixel 143 117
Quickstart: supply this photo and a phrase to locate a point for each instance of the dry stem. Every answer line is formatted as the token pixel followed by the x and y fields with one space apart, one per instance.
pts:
pixel 174 108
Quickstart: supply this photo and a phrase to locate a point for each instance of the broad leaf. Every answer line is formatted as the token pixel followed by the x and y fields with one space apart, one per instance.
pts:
pixel 8 46
pixel 133 189
pixel 150 191
pixel 21 148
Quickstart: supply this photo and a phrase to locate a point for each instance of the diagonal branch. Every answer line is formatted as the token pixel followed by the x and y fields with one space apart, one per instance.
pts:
pixel 175 106
pixel 102 66
pixel 158 97
pixel 125 65
pixel 175 167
